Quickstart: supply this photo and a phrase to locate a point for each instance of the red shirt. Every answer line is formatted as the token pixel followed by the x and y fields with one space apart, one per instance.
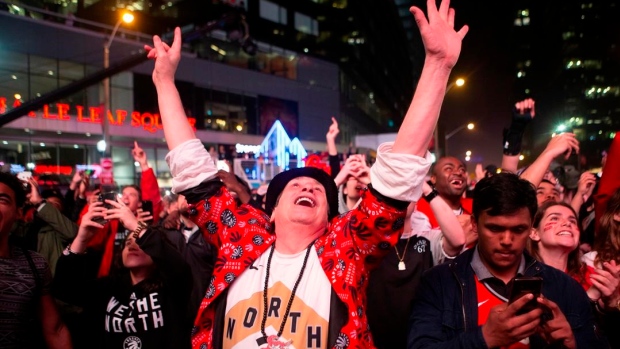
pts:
pixel 488 300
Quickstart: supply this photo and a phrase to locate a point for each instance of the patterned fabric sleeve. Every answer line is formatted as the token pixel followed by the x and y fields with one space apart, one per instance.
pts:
pixel 374 226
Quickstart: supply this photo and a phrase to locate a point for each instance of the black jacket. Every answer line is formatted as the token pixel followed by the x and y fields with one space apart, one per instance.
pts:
pixel 445 313
pixel 150 314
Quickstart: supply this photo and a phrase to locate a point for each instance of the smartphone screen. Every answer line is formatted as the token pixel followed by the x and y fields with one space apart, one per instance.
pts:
pixel 522 285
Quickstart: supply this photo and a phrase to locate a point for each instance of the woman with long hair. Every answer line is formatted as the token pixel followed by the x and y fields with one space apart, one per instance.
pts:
pixel 554 240
pixel 143 305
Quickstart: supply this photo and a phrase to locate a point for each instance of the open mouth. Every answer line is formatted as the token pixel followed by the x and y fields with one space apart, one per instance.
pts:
pixel 305 201
pixel 565 233
pixel 457 182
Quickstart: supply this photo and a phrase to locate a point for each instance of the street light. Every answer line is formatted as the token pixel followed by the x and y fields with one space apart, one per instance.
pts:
pixel 470 126
pixel 127 17
pixel 459 82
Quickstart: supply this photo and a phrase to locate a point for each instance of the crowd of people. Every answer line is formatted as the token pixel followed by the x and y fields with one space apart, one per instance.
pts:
pixel 394 255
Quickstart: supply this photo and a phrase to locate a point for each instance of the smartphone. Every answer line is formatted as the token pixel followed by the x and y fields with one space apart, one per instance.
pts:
pixel 25 177
pixel 110 195
pixel 522 285
pixel 147 206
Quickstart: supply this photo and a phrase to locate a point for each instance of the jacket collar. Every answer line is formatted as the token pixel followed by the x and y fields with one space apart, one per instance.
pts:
pixel 462 268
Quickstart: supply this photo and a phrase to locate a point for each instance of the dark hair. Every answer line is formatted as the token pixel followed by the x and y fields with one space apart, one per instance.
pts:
pixel 137 188
pixel 16 185
pixel 546 181
pixel 504 193
pixel 575 268
pixel 154 280
pixel 607 243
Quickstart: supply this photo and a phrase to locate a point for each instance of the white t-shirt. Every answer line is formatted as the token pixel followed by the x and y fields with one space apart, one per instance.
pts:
pixel 307 322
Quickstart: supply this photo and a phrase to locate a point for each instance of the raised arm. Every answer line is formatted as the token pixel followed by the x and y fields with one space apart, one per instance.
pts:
pixel 330 138
pixel 452 230
pixel 523 112
pixel 565 144
pixel 176 128
pixel 442 45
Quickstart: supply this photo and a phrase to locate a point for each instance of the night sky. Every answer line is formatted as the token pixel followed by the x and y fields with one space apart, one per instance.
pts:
pixel 486 99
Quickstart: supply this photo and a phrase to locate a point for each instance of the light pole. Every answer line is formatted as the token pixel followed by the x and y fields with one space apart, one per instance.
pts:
pixel 470 126
pixel 459 82
pixel 105 123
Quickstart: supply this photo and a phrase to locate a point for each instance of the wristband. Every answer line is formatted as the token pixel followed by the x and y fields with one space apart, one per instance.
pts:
pixel 430 196
pixel 136 232
pixel 67 251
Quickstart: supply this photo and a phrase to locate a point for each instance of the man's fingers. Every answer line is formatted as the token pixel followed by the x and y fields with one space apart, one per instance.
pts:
pixel 463 31
pixel 451 15
pixel 157 43
pixel 444 8
pixel 513 308
pixel 176 43
pixel 420 18
pixel 543 301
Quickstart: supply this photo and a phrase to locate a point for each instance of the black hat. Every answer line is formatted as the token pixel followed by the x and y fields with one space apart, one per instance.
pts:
pixel 281 180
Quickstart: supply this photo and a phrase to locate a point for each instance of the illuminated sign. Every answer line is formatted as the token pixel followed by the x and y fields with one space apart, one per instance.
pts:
pixel 47 169
pixel 244 148
pixel 278 146
pixel 150 122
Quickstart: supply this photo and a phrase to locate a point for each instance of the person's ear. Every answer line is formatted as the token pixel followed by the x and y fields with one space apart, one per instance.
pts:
pixel 474 224
pixel 534 235
pixel 434 180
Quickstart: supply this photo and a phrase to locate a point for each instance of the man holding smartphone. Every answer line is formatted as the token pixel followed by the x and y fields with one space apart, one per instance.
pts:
pixel 464 303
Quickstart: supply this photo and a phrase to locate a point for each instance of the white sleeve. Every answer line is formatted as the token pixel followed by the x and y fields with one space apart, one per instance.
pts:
pixel 421 226
pixel 435 236
pixel 190 164
pixel 399 176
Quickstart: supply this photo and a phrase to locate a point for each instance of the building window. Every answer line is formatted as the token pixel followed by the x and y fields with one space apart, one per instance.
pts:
pixel 306 24
pixel 273 12
pixel 596 92
pixel 523 18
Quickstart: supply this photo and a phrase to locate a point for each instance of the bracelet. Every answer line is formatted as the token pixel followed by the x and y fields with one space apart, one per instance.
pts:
pixel 430 196
pixel 136 232
pixel 67 251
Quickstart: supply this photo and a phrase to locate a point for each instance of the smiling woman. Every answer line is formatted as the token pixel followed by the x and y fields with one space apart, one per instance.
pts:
pixel 555 238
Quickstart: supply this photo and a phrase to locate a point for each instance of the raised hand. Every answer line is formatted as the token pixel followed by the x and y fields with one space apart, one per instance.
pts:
pixel 351 166
pixel 606 281
pixel 139 155
pixel 565 144
pixel 166 57
pixel 144 216
pixel 333 130
pixel 88 227
pixel 526 106
pixel 121 212
pixel 78 177
pixel 441 42
pixel 34 197
pixel 586 184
